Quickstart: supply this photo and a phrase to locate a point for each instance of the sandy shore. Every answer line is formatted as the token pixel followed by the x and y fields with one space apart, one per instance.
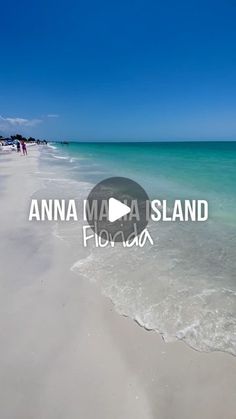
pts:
pixel 65 352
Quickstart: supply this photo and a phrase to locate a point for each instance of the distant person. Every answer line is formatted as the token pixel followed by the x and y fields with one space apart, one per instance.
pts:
pixel 24 149
pixel 18 146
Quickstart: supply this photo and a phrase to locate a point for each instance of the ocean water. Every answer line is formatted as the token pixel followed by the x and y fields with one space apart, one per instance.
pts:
pixel 184 286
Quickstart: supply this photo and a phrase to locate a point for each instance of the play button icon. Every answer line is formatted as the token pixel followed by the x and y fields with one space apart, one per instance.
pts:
pixel 117 209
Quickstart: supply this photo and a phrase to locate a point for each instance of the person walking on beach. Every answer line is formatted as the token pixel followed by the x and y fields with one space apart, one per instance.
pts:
pixel 24 149
pixel 18 146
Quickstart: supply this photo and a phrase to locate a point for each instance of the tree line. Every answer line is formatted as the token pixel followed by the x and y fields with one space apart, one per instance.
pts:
pixel 20 137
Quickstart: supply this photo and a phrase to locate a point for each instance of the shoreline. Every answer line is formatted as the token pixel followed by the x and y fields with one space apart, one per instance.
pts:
pixel 66 352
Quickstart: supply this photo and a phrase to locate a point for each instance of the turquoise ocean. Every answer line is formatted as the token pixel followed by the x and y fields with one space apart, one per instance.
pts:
pixel 183 286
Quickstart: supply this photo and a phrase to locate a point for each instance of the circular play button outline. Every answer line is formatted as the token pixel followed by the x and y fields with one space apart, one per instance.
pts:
pixel 117 209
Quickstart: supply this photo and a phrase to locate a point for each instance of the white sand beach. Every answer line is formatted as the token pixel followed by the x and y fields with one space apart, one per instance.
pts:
pixel 66 353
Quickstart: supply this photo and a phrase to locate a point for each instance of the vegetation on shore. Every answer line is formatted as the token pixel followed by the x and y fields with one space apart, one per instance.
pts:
pixel 19 137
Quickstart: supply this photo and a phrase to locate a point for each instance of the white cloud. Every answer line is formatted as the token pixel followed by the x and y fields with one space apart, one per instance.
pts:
pixel 53 115
pixel 7 124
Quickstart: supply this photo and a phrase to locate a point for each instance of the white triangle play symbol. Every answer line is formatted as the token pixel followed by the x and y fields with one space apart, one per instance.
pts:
pixel 117 210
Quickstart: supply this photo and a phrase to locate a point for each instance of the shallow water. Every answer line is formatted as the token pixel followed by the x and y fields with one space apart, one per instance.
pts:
pixel 184 285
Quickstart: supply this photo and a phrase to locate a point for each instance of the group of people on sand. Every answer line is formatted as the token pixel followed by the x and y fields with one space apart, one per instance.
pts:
pixel 20 145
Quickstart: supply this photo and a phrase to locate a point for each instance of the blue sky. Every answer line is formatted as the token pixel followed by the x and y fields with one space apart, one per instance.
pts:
pixel 110 70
